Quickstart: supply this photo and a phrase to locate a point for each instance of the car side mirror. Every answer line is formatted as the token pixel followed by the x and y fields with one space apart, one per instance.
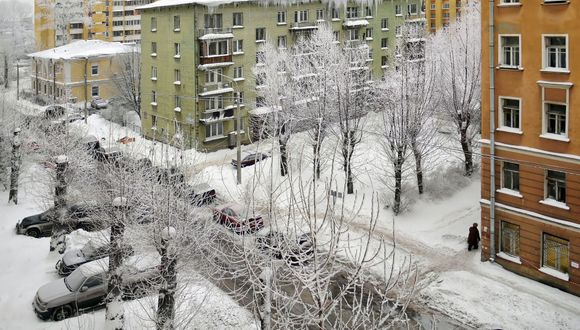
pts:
pixel 84 288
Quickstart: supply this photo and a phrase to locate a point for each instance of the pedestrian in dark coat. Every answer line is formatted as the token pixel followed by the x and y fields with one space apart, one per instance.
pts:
pixel 473 238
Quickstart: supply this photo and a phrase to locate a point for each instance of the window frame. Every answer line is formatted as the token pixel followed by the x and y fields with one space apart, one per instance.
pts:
pixel 176 23
pixel 281 18
pixel 502 125
pixel 239 15
pixel 153 23
pixel 176 50
pixel 558 198
pixel 501 59
pixel 238 46
pixel 512 174
pixel 93 66
pixel 502 247
pixel 545 238
pixel 262 34
pixel 213 130
pixel 93 94
pixel 546 119
pixel 385 24
pixel 545 57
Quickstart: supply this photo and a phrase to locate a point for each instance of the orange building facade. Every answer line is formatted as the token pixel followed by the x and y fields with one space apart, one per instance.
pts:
pixel 530 220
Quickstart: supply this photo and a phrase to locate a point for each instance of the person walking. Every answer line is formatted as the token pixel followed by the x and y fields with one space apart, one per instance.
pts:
pixel 473 238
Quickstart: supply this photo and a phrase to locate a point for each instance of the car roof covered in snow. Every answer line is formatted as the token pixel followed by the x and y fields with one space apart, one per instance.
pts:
pixel 140 262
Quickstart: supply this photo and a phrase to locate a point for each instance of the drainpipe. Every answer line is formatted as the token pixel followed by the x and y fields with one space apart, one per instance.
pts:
pixel 491 132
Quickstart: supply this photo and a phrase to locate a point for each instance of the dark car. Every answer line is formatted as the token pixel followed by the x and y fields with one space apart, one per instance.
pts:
pixel 250 159
pixel 110 155
pixel 40 225
pixel 201 194
pixel 232 217
pixel 72 259
pixel 91 144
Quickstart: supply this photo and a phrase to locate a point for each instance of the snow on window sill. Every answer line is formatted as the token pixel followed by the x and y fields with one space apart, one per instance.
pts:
pixel 399 15
pixel 213 138
pixel 555 273
pixel 384 29
pixel 510 192
pixel 153 54
pixel 335 19
pixel 555 203
pixel 384 66
pixel 509 5
pixel 153 30
pixel 176 30
pixel 555 70
pixel 238 53
pixel 237 27
pixel 177 109
pixel 509 67
pixel 507 257
pixel 281 23
pixel 177 56
pixel 177 83
pixel 507 129
pixel 385 48
pixel 154 78
pixel 556 137
pixel 369 39
pixel 239 79
pixel 154 104
pixel 260 41
pixel 368 17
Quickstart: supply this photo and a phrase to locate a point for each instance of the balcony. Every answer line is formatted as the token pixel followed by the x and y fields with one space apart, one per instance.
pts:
pixel 214 33
pixel 212 116
pixel 216 89
pixel 217 60
pixel 355 22
pixel 300 26
pixel 355 43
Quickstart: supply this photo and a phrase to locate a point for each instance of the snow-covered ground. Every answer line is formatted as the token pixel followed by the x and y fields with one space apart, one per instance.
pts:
pixel 454 281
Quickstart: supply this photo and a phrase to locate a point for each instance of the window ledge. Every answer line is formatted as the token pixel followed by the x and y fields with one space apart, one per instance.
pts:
pixel 213 138
pixel 335 19
pixel 260 41
pixel 555 137
pixel 507 257
pixel 154 78
pixel 510 130
pixel 176 30
pixel 385 48
pixel 239 79
pixel 369 39
pixel 177 83
pixel 238 53
pixel 384 66
pixel 555 203
pixel 549 3
pixel 509 68
pixel 509 5
pixel 153 54
pixel 399 15
pixel 154 104
pixel 555 273
pixel 177 56
pixel 177 109
pixel 385 29
pixel 153 30
pixel 510 192
pixel 554 70
pixel 237 27
pixel 281 23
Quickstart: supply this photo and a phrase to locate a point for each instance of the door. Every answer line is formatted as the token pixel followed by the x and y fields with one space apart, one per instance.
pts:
pixel 94 293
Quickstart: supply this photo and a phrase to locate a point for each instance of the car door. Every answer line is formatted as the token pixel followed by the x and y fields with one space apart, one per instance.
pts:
pixel 92 293
pixel 45 224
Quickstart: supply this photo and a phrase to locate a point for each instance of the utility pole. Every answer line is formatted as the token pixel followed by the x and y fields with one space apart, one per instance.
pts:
pixel 238 138
pixel 86 90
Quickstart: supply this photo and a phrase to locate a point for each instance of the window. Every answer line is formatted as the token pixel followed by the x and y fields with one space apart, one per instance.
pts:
pixel 177 76
pixel 177 50
pixel 238 46
pixel 352 34
pixel 241 124
pixel 213 21
pixel 282 42
pixel 412 9
pixel 336 35
pixel 153 24
pixel 351 12
pixel 177 101
pixel 238 72
pixel 214 76
pixel 260 34
pixel 217 48
pixel 153 96
pixel 384 42
pixel 260 57
pixel 384 60
pixel 398 30
pixel 238 19
pixel 153 48
pixel 153 121
pixel 214 103
pixel 260 79
pixel 398 10
pixel 509 1
pixel 335 13
pixel 319 14
pixel 368 11
pixel 384 24
pixel 555 52
pixel 95 91
pixel 555 253
pixel 214 129
pixel 93 281
pixel 510 176
pixel 555 118
pixel 300 16
pixel 177 126
pixel 176 23
pixel 281 17
pixel 510 51
pixel 510 239
pixel 154 72
pixel 94 69
pixel 510 113
pixel 369 33
pixel 556 186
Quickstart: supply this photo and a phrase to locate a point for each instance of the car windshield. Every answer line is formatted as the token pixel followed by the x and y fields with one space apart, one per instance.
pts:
pixel 74 281
pixel 229 212
pixel 250 157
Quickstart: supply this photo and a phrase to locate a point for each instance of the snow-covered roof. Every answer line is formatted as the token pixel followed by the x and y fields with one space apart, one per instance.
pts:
pixel 217 91
pixel 172 3
pixel 85 49
pixel 357 22
pixel 214 65
pixel 210 36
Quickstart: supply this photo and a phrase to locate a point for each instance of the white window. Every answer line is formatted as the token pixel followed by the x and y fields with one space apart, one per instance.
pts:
pixel 556 119
pixel 412 9
pixel 153 24
pixel 281 17
pixel 153 96
pixel 238 72
pixel 351 12
pixel 398 10
pixel 384 24
pixel 384 42
pixel 214 103
pixel 555 253
pixel 319 14
pixel 282 42
pixel 213 21
pixel 260 34
pixel 177 101
pixel 398 30
pixel 556 186
pixel 176 23
pixel 214 129
pixel 95 91
pixel 510 176
pixel 153 121
pixel 510 239
pixel 217 48
pixel 238 46
pixel 555 52
pixel 153 48
pixel 369 33
pixel 301 16
pixel 177 50
pixel 335 13
pixel 368 11
pixel 260 57
pixel 214 76
pixel 510 113
pixel 510 1
pixel 352 34
pixel 177 76
pixel 510 55
pixel 336 35
pixel 95 69
pixel 238 19
pixel 154 72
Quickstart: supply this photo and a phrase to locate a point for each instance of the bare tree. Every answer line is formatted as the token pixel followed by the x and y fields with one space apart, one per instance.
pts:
pixel 127 80
pixel 459 49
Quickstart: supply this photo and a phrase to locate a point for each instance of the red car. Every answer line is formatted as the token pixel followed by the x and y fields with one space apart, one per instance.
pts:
pixel 231 216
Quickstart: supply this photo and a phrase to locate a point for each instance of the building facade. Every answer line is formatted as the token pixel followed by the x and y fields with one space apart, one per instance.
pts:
pixel 58 22
pixel 78 71
pixel 530 214
pixel 195 58
pixel 440 13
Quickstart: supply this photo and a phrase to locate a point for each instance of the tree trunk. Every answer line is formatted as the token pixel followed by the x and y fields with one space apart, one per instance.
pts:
pixel 316 161
pixel 349 179
pixel 15 168
pixel 283 158
pixel 398 182
pixel 6 71
pixel 166 300
pixel 466 152
pixel 59 227
pixel 418 167
pixel 2 164
pixel 114 315
pixel 347 151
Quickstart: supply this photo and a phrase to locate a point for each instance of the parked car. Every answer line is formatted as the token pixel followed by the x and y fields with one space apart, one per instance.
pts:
pixel 92 144
pixel 111 155
pixel 86 287
pixel 98 103
pixel 294 252
pixel 231 216
pixel 250 159
pixel 272 243
pixel 72 259
pixel 201 194
pixel 72 117
pixel 40 225
pixel 54 111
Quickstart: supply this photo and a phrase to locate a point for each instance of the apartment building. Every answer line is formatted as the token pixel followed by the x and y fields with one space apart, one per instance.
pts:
pixel 196 56
pixel 58 22
pixel 78 71
pixel 440 13
pixel 530 206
